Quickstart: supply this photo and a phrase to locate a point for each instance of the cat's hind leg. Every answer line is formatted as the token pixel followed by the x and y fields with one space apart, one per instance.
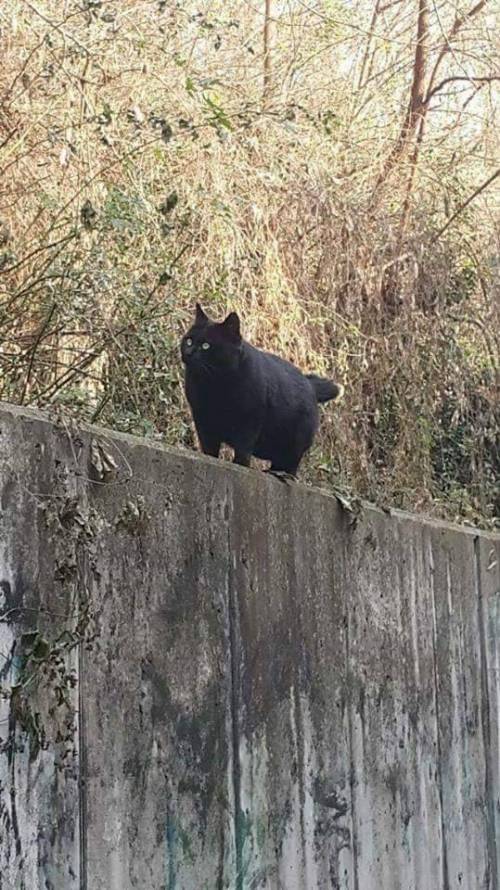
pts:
pixel 242 458
pixel 285 469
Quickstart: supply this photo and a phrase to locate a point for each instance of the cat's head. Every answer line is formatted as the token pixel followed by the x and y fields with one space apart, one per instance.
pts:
pixel 211 347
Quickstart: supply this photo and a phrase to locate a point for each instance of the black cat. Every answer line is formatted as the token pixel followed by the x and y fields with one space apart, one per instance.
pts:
pixel 254 401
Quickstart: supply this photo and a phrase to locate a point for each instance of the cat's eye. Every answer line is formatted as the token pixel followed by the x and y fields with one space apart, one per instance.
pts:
pixel 205 345
pixel 189 342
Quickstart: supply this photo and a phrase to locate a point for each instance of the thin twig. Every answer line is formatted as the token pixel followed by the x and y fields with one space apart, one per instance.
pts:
pixel 34 349
pixel 466 203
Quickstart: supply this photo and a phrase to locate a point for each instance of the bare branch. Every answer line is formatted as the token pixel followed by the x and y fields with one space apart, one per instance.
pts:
pixel 447 48
pixel 416 107
pixel 473 80
pixel 34 348
pixel 466 203
pixel 267 49
pixel 373 22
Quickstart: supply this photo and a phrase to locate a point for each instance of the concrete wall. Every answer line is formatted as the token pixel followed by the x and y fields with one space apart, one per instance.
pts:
pixel 212 680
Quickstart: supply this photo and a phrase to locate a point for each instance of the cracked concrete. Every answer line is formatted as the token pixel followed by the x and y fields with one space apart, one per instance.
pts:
pixel 264 697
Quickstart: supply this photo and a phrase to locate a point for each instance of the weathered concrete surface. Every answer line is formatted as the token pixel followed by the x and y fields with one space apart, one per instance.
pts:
pixel 262 695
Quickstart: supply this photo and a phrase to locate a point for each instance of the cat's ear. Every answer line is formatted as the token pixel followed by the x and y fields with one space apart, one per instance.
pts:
pixel 200 314
pixel 231 326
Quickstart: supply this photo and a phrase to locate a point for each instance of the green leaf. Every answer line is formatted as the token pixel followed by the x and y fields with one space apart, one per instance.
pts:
pixel 219 114
pixel 169 203
pixel 41 648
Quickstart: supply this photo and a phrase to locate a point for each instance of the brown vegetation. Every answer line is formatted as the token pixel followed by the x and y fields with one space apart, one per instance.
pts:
pixel 329 169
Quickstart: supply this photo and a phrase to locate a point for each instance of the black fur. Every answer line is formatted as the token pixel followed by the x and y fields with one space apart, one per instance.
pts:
pixel 254 401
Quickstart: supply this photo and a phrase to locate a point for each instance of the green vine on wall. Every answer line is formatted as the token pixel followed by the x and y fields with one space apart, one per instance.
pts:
pixel 41 694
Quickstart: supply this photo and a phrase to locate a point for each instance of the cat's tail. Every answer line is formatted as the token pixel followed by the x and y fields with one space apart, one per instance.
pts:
pixel 325 389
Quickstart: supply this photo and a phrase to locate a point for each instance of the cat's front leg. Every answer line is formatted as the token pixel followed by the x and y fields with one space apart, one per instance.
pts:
pixel 210 444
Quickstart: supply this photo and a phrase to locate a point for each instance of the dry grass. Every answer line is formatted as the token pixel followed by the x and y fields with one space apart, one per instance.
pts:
pixel 142 168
